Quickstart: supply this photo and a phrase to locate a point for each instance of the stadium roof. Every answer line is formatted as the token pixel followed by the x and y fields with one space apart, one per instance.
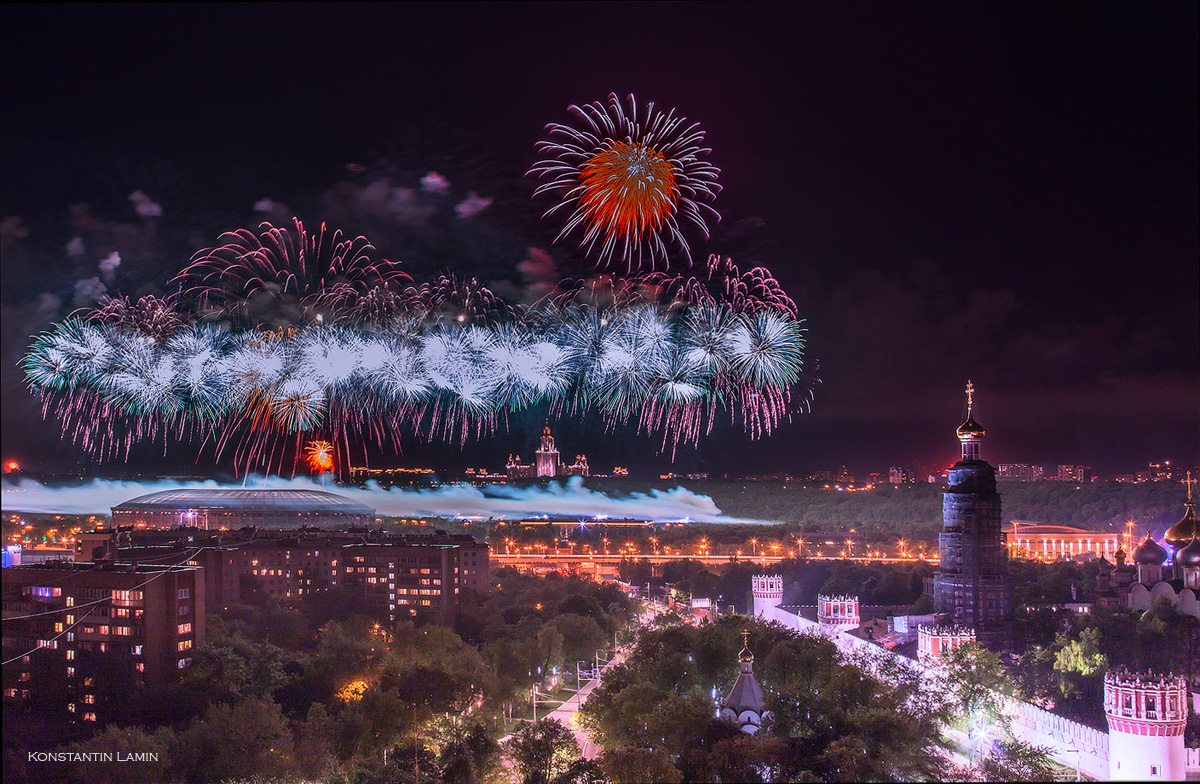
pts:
pixel 287 501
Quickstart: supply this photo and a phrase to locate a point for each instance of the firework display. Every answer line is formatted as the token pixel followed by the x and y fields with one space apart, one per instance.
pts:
pixel 626 179
pixel 319 455
pixel 670 368
pixel 285 342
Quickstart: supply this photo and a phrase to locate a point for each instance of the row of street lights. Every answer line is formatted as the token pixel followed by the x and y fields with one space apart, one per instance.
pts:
pixel 704 550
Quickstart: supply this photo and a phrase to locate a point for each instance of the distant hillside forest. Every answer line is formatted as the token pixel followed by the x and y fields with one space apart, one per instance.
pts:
pixel 915 510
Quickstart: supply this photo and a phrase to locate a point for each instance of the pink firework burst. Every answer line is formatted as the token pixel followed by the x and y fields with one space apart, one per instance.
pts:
pixel 313 272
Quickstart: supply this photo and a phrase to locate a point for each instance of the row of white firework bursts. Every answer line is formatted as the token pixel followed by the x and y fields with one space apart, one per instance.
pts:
pixel 620 361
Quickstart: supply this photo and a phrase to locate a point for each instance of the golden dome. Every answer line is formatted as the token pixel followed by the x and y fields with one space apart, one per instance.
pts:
pixel 744 655
pixel 1182 532
pixel 970 430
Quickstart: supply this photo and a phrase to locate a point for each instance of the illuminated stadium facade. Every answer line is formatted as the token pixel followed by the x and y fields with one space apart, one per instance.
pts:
pixel 229 509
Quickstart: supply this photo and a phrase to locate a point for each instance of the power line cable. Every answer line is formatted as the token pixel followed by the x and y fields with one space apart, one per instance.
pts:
pixel 55 638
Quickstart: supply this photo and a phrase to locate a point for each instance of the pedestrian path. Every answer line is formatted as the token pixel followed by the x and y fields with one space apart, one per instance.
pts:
pixel 566 713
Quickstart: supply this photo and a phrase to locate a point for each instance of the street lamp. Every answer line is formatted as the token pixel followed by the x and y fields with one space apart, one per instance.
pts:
pixel 1078 776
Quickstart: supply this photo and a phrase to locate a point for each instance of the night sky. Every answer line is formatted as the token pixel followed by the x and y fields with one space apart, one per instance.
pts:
pixel 1001 192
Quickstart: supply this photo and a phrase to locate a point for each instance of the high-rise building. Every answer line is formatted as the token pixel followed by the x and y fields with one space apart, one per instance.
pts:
pixel 79 637
pixel 1074 473
pixel 403 575
pixel 546 462
pixel 1020 471
pixel 972 588
pixel 546 457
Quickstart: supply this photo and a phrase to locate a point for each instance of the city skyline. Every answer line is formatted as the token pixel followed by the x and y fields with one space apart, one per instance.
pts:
pixel 932 202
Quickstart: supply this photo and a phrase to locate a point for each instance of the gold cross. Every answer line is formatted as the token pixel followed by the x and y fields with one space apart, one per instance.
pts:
pixel 1189 482
pixel 746 640
pixel 970 396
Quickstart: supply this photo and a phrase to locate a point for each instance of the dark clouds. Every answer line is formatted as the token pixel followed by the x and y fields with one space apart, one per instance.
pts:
pixel 897 347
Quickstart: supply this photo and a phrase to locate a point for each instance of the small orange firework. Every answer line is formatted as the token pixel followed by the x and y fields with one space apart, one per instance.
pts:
pixel 320 456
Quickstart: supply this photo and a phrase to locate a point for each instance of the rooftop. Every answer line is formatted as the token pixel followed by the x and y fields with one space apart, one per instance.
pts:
pixel 288 501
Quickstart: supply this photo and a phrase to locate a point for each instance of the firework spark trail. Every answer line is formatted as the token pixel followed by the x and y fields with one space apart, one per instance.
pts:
pixel 625 179
pixel 319 271
pixel 447 360
pixel 628 363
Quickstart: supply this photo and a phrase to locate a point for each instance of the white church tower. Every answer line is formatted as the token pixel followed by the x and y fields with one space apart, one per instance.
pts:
pixel 1146 718
pixel 768 592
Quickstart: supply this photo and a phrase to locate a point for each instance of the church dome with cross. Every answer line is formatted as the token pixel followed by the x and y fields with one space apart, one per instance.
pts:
pixel 744 705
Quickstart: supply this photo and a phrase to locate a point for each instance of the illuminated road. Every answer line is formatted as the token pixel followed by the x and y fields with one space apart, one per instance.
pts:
pixel 592 560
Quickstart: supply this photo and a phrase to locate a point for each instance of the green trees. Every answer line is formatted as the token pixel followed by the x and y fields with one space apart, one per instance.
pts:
pixel 309 689
pixel 828 717
pixel 976 684
pixel 244 739
pixel 839 720
pixel 628 765
pixel 122 742
pixel 542 751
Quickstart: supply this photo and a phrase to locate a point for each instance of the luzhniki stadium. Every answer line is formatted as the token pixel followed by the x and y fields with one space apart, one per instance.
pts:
pixel 212 508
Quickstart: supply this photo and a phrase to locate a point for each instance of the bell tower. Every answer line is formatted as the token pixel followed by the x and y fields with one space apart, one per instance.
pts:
pixel 972 588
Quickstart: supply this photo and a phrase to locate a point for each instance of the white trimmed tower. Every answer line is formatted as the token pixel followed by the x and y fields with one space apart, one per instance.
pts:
pixel 934 643
pixel 768 592
pixel 1146 717
pixel 840 612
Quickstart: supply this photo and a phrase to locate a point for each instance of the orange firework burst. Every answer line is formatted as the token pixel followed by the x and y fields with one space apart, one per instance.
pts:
pixel 320 456
pixel 627 181
pixel 629 189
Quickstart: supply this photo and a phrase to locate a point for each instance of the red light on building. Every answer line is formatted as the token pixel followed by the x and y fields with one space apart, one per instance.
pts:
pixel 11 465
